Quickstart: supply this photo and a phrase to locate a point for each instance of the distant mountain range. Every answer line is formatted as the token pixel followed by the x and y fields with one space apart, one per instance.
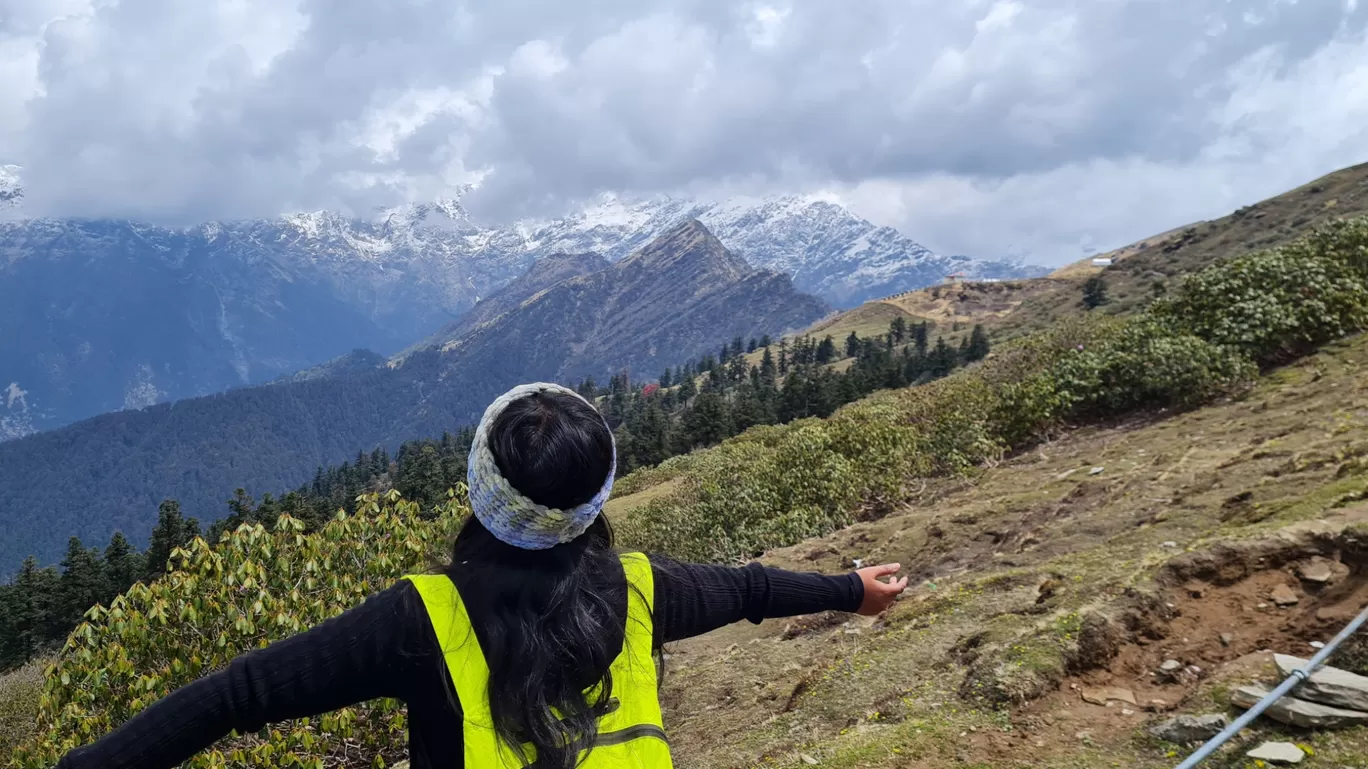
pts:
pixel 101 316
pixel 570 316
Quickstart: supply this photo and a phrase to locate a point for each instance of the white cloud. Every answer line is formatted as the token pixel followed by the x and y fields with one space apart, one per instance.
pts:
pixel 984 127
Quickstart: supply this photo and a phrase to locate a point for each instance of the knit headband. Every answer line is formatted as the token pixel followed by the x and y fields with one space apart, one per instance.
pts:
pixel 510 516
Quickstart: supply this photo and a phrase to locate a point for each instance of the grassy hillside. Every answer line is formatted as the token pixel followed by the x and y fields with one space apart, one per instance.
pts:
pixel 1009 565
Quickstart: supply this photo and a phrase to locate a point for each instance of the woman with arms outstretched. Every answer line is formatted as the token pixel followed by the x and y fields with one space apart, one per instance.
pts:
pixel 534 647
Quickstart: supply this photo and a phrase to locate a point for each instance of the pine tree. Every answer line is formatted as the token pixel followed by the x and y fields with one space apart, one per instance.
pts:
pixel 709 421
pixel 83 583
pixel 752 345
pixel 919 339
pixel 768 373
pixel 852 345
pixel 898 329
pixel 826 351
pixel 667 379
pixel 736 370
pixel 123 565
pixel 942 359
pixel 765 341
pixel 687 389
pixel 1095 292
pixel 32 615
pixel 171 532
pixel 737 345
pixel 978 344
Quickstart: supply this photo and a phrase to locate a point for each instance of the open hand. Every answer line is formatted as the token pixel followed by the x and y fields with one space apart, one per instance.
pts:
pixel 878 596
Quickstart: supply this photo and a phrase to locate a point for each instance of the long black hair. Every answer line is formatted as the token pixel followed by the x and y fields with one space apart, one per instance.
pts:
pixel 547 628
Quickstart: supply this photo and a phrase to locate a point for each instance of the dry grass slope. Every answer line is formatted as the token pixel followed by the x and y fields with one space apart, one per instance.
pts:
pixel 1008 567
pixel 19 693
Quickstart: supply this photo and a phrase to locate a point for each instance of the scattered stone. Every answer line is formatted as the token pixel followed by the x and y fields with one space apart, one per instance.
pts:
pixel 1317 645
pixel 1156 706
pixel 1277 753
pixel 1283 595
pixel 1107 694
pixel 1299 712
pixel 1317 571
pixel 1096 471
pixel 1127 712
pixel 809 760
pixel 1328 686
pixel 1170 543
pixel 1171 666
pixel 1262 606
pixel 1066 474
pixel 1185 729
pixel 858 562
pixel 1226 639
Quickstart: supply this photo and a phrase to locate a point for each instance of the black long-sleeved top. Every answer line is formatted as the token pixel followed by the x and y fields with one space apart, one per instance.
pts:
pixel 386 647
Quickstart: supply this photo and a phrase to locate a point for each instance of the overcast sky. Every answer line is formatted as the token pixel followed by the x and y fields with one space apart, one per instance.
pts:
pixel 986 127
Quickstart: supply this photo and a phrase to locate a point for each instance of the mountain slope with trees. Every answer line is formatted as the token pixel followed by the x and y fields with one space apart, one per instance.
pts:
pixel 679 297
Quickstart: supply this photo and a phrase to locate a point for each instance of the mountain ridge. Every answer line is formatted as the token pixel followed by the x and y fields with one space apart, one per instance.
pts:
pixel 266 438
pixel 239 303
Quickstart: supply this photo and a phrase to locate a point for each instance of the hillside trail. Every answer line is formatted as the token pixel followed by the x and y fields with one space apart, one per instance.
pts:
pixel 1083 563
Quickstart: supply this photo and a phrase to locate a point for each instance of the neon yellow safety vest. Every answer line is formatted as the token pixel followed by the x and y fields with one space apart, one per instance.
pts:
pixel 630 736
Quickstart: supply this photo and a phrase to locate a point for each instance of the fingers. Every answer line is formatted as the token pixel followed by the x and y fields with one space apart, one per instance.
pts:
pixel 883 570
pixel 893 586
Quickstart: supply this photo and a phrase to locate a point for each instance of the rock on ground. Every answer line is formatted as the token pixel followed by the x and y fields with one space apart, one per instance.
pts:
pixel 1328 686
pixel 1298 712
pixel 1185 728
pixel 1277 753
pixel 1103 695
pixel 1320 571
pixel 1283 595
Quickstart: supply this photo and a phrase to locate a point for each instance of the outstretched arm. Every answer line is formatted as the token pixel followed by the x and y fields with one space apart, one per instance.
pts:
pixel 344 661
pixel 692 599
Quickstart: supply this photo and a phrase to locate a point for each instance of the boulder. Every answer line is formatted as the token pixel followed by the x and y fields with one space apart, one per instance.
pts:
pixel 1185 729
pixel 1328 686
pixel 1277 753
pixel 1299 712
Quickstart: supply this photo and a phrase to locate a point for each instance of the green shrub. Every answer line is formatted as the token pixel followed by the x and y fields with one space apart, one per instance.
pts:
pixel 1147 366
pixel 19 693
pixel 1282 303
pixel 254 587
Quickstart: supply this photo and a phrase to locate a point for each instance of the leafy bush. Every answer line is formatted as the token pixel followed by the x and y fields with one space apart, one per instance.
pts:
pixel 254 587
pixel 19 692
pixel 1141 365
pixel 1279 304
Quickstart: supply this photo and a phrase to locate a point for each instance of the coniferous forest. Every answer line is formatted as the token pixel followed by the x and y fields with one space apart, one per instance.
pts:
pixel 695 405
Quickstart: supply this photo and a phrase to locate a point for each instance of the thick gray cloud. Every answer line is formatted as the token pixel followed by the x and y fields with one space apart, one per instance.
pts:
pixel 1039 127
